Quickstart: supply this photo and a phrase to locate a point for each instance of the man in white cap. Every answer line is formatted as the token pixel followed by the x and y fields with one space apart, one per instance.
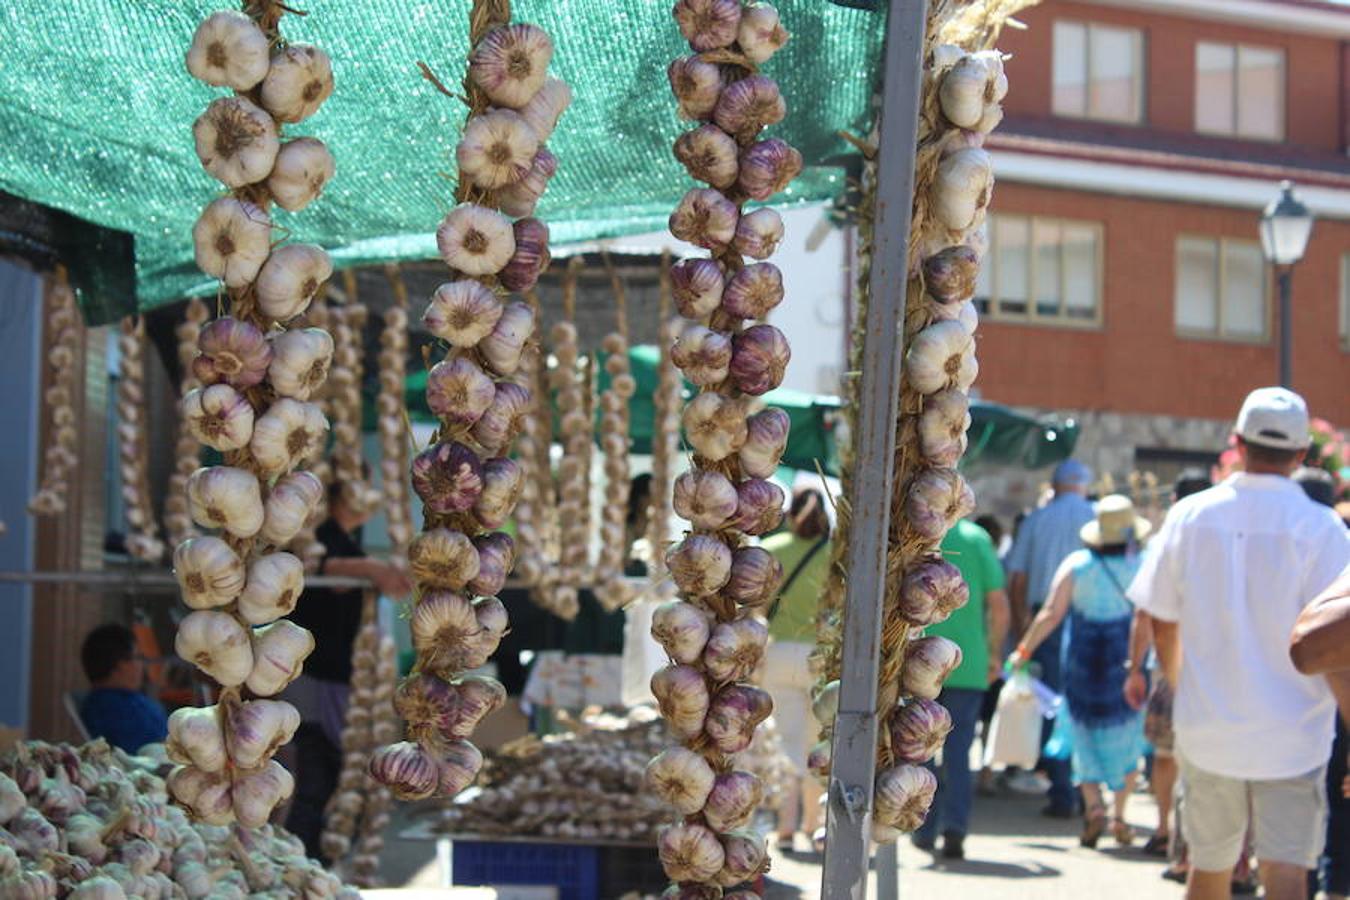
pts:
pixel 1228 575
pixel 1043 541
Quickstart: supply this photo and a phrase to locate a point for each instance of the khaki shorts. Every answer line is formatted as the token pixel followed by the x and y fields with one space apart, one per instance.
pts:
pixel 1288 817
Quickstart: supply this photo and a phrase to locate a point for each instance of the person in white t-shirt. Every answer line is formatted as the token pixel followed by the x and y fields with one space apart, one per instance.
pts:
pixel 1230 571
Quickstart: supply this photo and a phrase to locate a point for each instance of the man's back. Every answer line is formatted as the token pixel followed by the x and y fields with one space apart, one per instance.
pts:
pixel 1234 565
pixel 1045 538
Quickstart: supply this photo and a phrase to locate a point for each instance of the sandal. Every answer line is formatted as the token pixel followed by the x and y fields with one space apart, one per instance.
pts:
pixel 1094 823
pixel 1122 832
pixel 1157 845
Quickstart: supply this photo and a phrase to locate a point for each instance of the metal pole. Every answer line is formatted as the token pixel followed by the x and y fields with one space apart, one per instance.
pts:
pixel 848 811
pixel 1285 276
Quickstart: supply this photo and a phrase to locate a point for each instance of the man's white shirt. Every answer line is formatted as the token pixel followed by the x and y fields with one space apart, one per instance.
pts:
pixel 1234 565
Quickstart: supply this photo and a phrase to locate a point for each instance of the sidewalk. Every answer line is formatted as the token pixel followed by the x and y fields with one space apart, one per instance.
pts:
pixel 1012 854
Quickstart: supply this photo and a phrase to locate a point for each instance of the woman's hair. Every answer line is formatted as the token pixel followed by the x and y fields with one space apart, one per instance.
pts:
pixel 807 516
pixel 992 527
pixel 1111 549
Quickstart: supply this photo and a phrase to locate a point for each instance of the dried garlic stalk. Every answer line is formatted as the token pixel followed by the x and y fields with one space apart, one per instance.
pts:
pixel 65 330
pixel 393 432
pixel 187 452
pixel 611 587
pixel 133 447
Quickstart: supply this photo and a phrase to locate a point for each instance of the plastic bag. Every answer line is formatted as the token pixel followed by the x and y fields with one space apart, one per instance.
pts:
pixel 1015 734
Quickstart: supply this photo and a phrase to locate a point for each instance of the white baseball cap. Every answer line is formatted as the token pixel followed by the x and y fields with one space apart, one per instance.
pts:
pixel 1274 417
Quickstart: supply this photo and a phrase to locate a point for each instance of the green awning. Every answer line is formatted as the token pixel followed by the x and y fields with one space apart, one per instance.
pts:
pixel 998 435
pixel 96 113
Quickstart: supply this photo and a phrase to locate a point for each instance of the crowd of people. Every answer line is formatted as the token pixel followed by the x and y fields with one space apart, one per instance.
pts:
pixel 1214 654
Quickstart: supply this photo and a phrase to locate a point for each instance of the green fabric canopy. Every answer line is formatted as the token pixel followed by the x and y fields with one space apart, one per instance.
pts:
pixel 997 435
pixel 96 113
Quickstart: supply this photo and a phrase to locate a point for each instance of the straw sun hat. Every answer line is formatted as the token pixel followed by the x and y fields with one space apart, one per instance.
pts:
pixel 1116 523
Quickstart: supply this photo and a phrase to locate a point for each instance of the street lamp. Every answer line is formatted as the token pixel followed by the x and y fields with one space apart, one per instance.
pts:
pixel 1285 227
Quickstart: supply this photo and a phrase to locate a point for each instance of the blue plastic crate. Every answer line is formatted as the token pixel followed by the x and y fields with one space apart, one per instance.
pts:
pixel 574 870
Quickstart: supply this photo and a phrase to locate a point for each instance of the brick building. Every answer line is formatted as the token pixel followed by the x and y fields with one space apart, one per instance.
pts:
pixel 1125 284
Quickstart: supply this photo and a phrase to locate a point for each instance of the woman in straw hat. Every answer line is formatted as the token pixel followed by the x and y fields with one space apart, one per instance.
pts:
pixel 1106 733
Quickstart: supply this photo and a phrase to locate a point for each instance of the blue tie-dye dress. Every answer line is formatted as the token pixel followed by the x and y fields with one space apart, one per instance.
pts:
pixel 1107 735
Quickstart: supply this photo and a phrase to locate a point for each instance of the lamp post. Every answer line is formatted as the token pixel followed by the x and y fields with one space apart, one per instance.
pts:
pixel 1286 225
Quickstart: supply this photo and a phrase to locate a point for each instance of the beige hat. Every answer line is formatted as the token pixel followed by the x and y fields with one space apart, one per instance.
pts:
pixel 1116 523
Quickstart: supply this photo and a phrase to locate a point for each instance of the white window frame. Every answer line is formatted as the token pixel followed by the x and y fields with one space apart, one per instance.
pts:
pixel 992 305
pixel 1282 92
pixel 1221 282
pixel 1140 73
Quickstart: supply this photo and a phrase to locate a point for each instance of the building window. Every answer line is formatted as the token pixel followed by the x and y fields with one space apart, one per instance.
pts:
pixel 1239 91
pixel 1099 72
pixel 1042 270
pixel 1221 289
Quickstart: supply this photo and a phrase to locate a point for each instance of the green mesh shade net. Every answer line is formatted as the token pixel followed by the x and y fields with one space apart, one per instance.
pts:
pixel 96 112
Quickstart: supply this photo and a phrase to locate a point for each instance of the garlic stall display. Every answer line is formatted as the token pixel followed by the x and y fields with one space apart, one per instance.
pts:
pixel 962 89
pixel 133 450
pixel 391 421
pixel 712 634
pixel 65 337
pixel 611 589
pixel 187 452
pixel 465 477
pixel 253 406
pixel 94 823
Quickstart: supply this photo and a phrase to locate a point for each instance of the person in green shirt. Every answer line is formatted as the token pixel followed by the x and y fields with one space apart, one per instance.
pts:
pixel 979 629
pixel 803 549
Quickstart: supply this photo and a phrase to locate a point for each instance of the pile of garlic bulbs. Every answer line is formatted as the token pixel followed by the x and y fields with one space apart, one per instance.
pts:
pixel 133 450
pixel 65 339
pixel 713 636
pixel 254 407
pixel 186 451
pixel 467 481
pixel 93 823
pixel 960 103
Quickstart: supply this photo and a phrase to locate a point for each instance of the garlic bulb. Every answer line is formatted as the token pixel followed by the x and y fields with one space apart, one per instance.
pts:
pixel 903 795
pixel 733 714
pixel 195 738
pixel 218 416
pixel 301 358
pixel 274 585
pixel 703 355
pixel 941 356
pixel 707 499
pixel 228 50
pixel 708 24
pixel 443 558
pixel 680 777
pixel 928 662
pixel 700 565
pixel 448 477
pixel 496 553
pixel 714 426
pixel 496 149
pixel 934 501
pixel 279 650
pixel 225 497
pixel 918 729
pixel 709 154
pixel 510 64
pixel 758 234
pixel 705 218
pixel 942 427
pixel 232 239
pixel 682 695
pixel 475 240
pixel 755 577
pixel 505 344
pixel 733 800
pixel 303 167
pixel 754 290
pixel 682 629
pixel 546 107
pixel 765 440
pixel 233 352
pixel 290 431
pixel 236 141
pixel 519 199
pixel 289 505
pixel 457 767
pixel 258 728
pixel 458 391
pixel 748 105
pixel 256 794
pixel 963 188
pixel 696 84
pixel 690 853
pixel 208 571
pixel 501 421
pixel 531 257
pixel 760 34
pixel 735 649
pixel 462 312
pixel 299 79
pixel 972 90
pixel 747 856
pixel 759 506
pixel 217 644
pixel 696 285
pixel 931 592
pixel 502 482
pixel 950 274
pixel 759 359
pixel 290 278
